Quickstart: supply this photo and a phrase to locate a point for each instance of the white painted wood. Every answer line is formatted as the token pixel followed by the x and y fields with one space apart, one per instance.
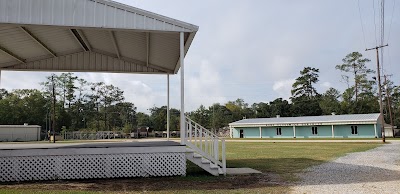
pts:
pixel 333 132
pixel 376 133
pixel 203 163
pixel 90 166
pixel 260 133
pixel 182 59
pixel 168 112
pixel 91 151
pixel 206 146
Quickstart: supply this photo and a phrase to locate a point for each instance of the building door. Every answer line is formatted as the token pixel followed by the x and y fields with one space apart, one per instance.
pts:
pixel 241 133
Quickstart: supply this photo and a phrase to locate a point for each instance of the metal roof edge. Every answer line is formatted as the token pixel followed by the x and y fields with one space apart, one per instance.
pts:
pixel 149 13
pixel 287 122
pixel 302 124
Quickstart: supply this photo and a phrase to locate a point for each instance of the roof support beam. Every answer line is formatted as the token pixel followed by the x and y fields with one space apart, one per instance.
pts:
pixel 148 48
pixel 114 41
pixel 34 38
pixel 135 61
pixel 11 54
pixel 85 40
pixel 79 39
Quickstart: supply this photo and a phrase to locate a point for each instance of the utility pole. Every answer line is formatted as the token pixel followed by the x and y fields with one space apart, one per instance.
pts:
pixel 54 110
pixel 380 89
pixel 389 105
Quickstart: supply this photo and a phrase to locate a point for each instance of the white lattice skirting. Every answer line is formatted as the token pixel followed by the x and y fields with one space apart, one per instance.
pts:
pixel 52 167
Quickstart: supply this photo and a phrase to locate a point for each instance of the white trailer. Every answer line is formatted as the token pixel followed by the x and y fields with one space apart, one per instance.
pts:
pixel 9 133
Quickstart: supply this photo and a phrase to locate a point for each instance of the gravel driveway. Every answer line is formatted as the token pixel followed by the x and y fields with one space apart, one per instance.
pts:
pixel 373 171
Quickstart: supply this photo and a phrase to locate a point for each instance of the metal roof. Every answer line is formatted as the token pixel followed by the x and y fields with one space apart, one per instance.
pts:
pixel 349 118
pixel 19 126
pixel 89 35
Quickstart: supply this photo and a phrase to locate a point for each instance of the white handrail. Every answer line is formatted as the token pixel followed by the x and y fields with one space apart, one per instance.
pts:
pixel 206 143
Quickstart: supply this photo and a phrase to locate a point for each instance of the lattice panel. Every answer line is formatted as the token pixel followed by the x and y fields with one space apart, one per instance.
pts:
pixel 91 166
pixel 155 165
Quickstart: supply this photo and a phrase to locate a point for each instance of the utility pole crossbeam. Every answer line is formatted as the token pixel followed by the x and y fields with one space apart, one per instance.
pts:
pixel 380 89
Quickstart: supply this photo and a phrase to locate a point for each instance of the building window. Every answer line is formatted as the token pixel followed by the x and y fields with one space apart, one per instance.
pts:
pixel 278 131
pixel 354 130
pixel 314 130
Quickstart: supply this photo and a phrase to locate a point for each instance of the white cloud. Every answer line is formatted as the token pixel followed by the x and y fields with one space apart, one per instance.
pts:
pixel 324 86
pixel 204 88
pixel 283 88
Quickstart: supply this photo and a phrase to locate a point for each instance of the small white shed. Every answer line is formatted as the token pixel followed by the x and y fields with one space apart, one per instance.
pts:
pixel 19 133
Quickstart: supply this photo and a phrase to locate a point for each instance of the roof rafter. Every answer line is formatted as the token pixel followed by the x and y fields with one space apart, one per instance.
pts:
pixel 79 39
pixel 114 41
pixel 85 40
pixel 137 62
pixel 11 54
pixel 36 39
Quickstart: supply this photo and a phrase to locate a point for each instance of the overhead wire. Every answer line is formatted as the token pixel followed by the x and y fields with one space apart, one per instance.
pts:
pixel 382 35
pixel 362 24
pixel 391 20
pixel 373 7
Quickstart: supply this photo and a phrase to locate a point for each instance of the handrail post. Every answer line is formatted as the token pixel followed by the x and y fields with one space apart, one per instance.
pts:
pixel 201 138
pixel 216 149
pixel 223 157
pixel 206 142
pixel 195 134
pixel 190 131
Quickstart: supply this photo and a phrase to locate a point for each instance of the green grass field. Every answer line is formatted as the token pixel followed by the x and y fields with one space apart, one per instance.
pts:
pixel 279 163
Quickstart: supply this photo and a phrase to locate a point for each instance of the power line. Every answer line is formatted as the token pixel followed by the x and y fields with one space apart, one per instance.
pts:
pixel 362 25
pixel 391 20
pixel 373 7
pixel 382 14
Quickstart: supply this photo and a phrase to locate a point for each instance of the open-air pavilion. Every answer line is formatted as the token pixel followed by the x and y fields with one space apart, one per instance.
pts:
pixel 109 37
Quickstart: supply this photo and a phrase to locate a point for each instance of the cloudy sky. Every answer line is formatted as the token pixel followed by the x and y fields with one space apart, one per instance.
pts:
pixel 254 49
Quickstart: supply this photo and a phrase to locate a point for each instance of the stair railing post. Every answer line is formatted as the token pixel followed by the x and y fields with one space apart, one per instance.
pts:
pixel 190 131
pixel 206 142
pixel 216 149
pixel 201 138
pixel 195 134
pixel 223 157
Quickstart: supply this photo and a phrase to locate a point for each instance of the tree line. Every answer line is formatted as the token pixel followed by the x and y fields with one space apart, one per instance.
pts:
pixel 82 105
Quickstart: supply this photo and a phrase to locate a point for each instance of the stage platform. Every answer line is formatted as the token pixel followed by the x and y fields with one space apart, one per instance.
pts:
pixel 45 161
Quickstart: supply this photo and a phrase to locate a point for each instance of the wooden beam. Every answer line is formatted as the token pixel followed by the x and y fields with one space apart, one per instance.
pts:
pixel 36 39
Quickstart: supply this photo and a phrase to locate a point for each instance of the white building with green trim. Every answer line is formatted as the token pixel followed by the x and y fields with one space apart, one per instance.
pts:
pixel 327 126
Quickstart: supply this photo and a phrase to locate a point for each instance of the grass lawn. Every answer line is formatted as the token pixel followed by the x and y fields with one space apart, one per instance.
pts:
pixel 279 163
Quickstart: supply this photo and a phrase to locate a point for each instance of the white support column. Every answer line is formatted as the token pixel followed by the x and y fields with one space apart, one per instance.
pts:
pixel 168 116
pixel 260 133
pixel 230 132
pixel 0 78
pixel 294 131
pixel 376 134
pixel 333 132
pixel 182 59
